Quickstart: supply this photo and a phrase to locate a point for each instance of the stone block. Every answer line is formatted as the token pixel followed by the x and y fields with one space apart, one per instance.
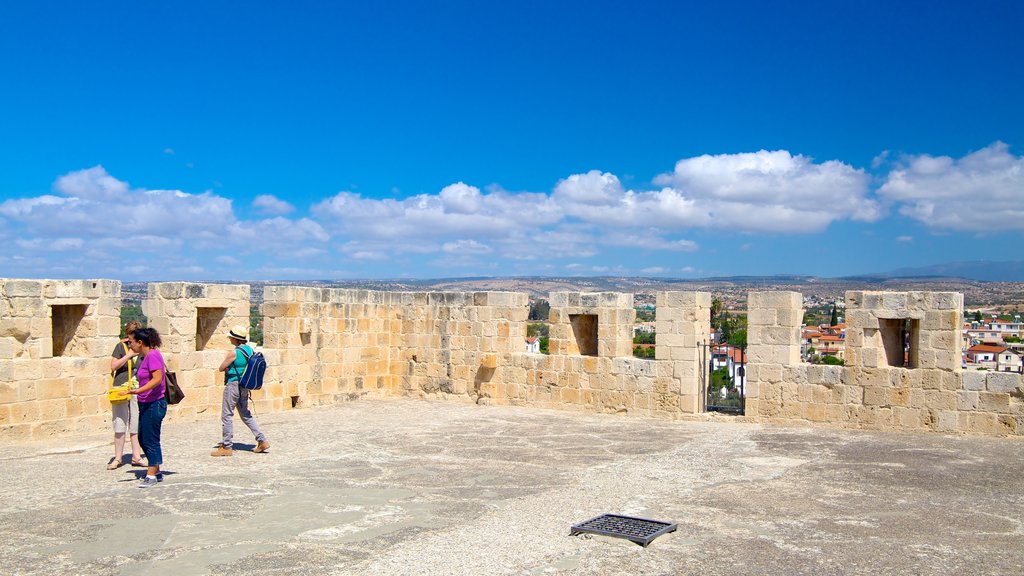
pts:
pixel 23 289
pixel 898 396
pixel 981 423
pixel 875 396
pixel 948 301
pixel 762 317
pixel 974 380
pixel 909 418
pixel 853 395
pixel 895 301
pixel 1006 424
pixel 853 299
pixel 994 402
pixel 940 399
pixel 1006 382
pixel 775 299
pixel 966 400
pixel 946 421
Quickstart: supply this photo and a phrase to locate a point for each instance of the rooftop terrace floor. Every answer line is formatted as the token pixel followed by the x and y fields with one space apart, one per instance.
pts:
pixel 424 487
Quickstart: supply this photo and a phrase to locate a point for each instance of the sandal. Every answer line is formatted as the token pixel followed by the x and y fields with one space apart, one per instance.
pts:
pixel 139 463
pixel 115 463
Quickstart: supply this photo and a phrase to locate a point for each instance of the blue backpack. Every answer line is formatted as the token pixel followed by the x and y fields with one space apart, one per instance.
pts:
pixel 255 366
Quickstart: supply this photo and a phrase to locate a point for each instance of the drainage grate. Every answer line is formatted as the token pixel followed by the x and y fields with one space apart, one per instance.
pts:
pixel 639 530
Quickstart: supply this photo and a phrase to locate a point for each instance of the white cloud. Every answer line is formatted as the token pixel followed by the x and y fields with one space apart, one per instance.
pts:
pixel 769 192
pixel 466 247
pixel 772 192
pixel 56 244
pixel 880 160
pixel 651 240
pixel 105 221
pixel 981 192
pixel 654 270
pixel 169 151
pixel 92 184
pixel 458 211
pixel 269 204
pixel 904 238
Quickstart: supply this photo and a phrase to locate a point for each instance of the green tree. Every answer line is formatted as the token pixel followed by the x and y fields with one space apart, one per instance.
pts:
pixel 831 361
pixel 739 338
pixel 538 329
pixel 646 352
pixel 644 314
pixel 645 338
pixel 131 312
pixel 255 325
pixel 834 320
pixel 540 309
pixel 716 311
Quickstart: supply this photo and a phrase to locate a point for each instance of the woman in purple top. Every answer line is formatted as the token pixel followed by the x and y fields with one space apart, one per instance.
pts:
pixel 152 404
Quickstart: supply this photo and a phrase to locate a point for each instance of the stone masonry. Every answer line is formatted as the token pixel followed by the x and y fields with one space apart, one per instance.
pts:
pixel 326 346
pixel 903 371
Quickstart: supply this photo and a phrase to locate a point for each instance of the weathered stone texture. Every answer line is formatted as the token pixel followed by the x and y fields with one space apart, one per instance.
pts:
pixel 332 345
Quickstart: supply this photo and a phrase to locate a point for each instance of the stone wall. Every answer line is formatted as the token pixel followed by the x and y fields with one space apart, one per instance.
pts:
pixel 332 345
pixel 193 321
pixel 609 378
pixel 56 337
pixel 882 386
pixel 338 344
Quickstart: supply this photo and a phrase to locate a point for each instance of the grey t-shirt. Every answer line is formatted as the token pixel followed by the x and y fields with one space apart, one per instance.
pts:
pixel 121 376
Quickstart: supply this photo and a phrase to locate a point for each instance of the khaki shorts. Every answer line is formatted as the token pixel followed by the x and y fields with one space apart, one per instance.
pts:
pixel 125 416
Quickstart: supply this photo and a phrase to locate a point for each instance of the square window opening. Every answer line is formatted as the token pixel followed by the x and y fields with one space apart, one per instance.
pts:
pixel 207 320
pixel 584 330
pixel 65 320
pixel 901 341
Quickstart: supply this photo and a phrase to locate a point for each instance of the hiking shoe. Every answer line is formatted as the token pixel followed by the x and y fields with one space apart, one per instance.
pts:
pixel 261 447
pixel 222 451
pixel 148 482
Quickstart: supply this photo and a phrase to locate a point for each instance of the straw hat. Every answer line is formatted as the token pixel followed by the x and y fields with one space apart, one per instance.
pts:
pixel 239 332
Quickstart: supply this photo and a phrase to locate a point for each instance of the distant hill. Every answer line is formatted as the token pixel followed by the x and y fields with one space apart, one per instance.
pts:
pixel 980 270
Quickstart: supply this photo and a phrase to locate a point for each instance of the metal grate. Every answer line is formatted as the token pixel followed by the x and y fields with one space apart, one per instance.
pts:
pixel 639 530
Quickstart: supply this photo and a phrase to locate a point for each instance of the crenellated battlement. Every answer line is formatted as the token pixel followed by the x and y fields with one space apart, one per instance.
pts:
pixel 329 345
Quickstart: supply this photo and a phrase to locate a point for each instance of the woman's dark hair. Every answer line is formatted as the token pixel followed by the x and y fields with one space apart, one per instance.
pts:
pixel 148 336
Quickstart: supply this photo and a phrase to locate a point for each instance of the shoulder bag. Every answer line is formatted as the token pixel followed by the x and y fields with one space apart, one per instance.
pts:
pixel 172 391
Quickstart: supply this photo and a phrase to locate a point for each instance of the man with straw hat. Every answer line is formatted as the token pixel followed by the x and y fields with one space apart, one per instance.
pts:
pixel 233 367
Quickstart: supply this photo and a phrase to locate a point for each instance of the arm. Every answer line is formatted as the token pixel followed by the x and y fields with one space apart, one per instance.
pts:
pixel 156 380
pixel 117 363
pixel 228 361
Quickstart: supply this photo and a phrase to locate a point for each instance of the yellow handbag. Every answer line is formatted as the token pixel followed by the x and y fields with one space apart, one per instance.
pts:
pixel 119 394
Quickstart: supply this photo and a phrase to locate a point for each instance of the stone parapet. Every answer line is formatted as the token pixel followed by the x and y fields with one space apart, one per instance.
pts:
pixel 56 337
pixel 903 371
pixel 328 345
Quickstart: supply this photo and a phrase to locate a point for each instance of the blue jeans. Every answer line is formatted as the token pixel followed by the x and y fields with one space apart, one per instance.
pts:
pixel 151 417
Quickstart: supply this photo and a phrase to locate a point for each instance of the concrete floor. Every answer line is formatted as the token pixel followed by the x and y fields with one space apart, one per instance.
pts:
pixel 419 487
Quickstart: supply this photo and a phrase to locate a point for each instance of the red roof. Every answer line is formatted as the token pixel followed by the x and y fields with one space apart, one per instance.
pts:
pixel 986 348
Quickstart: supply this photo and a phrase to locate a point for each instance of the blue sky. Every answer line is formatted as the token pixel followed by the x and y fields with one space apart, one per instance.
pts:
pixel 315 140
